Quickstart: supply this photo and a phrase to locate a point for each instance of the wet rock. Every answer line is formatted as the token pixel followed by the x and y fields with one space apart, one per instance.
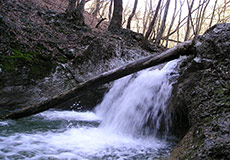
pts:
pixel 104 54
pixel 200 102
pixel 43 54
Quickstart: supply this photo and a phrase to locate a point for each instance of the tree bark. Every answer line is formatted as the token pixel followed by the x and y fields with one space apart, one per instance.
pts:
pixel 71 7
pixel 179 21
pixel 152 23
pixel 110 10
pixel 202 19
pixel 116 21
pixel 132 14
pixel 170 54
pixel 78 13
pixel 171 24
pixel 81 6
pixel 189 20
pixel 74 12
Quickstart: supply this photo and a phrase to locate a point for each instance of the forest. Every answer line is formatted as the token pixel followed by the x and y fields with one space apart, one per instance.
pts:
pixel 165 22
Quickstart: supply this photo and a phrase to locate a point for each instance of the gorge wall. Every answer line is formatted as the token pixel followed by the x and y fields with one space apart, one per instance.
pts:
pixel 201 99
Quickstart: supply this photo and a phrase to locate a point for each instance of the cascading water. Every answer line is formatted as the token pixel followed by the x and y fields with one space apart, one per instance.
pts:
pixel 138 102
pixel 126 124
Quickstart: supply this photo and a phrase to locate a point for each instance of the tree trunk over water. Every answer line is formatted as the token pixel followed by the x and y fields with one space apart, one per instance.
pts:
pixel 170 54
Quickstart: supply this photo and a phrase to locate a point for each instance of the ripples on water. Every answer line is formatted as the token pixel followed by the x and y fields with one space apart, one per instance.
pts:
pixel 71 135
pixel 112 131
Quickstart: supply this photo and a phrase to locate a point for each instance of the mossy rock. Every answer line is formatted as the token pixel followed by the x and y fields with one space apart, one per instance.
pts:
pixel 34 64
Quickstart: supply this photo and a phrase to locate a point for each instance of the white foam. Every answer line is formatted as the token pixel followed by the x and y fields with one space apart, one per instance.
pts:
pixel 77 142
pixel 69 115
pixel 4 123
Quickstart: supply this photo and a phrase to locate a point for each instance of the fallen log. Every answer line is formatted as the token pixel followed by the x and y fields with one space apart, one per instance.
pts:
pixel 170 54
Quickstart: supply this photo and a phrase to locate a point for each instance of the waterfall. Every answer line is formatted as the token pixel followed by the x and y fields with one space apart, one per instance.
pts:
pixel 137 104
pixel 125 125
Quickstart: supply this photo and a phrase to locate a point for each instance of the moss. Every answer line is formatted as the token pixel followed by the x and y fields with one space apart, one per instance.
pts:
pixel 61 58
pixel 17 58
pixel 206 120
pixel 42 66
pixel 200 143
pixel 34 64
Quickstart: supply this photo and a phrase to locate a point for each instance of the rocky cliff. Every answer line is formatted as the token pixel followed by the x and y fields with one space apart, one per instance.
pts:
pixel 201 99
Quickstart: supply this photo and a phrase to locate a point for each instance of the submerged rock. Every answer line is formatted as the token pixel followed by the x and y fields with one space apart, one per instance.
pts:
pixel 201 99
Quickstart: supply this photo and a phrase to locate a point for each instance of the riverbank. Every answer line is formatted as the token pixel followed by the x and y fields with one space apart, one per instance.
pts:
pixel 43 54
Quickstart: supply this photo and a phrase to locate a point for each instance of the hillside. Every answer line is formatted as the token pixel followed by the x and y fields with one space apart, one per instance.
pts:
pixel 43 53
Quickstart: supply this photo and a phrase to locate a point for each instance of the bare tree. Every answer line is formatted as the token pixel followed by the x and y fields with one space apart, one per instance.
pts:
pixel 189 20
pixel 145 19
pixel 198 16
pixel 116 21
pixel 76 12
pixel 151 25
pixel 81 6
pixel 148 14
pixel 137 20
pixel 179 21
pixel 162 28
pixel 172 22
pixel 132 14
pixel 224 10
pixel 159 21
pixel 213 13
pixel 202 18
pixel 103 9
pixel 110 10
pixel 126 13
pixel 182 23
pixel 97 8
pixel 71 7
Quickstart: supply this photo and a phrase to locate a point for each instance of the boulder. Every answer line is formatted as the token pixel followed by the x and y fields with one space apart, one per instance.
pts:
pixel 201 99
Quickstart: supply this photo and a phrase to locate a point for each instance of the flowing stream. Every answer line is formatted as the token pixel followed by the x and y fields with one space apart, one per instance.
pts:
pixel 132 122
